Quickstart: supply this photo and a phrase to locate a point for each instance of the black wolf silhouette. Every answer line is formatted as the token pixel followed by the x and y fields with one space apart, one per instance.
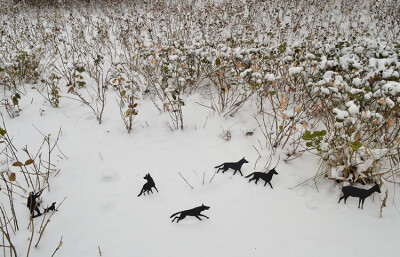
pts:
pixel 264 176
pixel 148 185
pixel 192 212
pixel 52 207
pixel 236 166
pixel 358 192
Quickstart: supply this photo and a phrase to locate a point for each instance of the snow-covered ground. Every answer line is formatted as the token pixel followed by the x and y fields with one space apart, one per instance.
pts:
pixel 104 174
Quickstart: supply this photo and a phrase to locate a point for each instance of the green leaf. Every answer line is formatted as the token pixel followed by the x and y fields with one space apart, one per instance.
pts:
pixel 15 100
pixel 355 145
pixel 3 132
pixel 80 69
pixel 323 132
pixel 81 83
pixel 12 176
pixel 218 62
pixel 272 93
pixel 128 113
pixel 309 144
pixel 166 69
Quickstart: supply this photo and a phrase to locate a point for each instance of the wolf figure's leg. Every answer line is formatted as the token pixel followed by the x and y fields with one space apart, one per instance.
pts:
pixel 203 215
pixel 181 218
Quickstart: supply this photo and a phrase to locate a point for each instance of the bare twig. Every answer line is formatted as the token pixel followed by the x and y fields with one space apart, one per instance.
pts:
pixel 58 247
pixel 186 181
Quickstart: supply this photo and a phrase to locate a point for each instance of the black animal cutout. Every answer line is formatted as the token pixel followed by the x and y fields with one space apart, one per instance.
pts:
pixel 358 192
pixel 52 207
pixel 192 212
pixel 236 166
pixel 264 176
pixel 148 185
pixel 33 204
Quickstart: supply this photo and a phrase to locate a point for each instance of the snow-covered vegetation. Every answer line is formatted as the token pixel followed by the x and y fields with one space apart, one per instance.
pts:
pixel 313 84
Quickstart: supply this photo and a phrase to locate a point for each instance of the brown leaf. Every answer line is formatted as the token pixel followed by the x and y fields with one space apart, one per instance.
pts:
pixel 283 78
pixel 283 115
pixel 298 108
pixel 28 162
pixel 382 101
pixel 17 164
pixel 283 103
pixel 390 123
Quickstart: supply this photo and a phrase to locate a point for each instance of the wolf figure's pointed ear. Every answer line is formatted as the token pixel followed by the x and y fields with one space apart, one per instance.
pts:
pixel 202 204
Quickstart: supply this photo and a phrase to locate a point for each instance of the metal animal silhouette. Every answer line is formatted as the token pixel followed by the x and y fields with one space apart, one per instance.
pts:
pixel 264 176
pixel 236 166
pixel 148 185
pixel 192 212
pixel 33 204
pixel 52 207
pixel 358 192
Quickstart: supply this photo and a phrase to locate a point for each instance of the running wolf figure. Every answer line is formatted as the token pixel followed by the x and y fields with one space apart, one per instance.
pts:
pixel 236 166
pixel 192 212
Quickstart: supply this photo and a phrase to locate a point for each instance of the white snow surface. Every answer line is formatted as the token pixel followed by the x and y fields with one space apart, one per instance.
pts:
pixel 104 174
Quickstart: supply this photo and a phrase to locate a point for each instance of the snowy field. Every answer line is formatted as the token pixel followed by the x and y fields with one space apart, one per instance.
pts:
pixel 103 176
pixel 176 88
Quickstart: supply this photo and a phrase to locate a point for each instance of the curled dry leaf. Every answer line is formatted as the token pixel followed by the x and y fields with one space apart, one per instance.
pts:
pixel 283 103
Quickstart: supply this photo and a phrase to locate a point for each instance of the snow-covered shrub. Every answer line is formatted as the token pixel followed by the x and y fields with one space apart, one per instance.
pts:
pixel 127 103
pixel 163 76
pixel 358 91
pixel 233 77
pixel 50 89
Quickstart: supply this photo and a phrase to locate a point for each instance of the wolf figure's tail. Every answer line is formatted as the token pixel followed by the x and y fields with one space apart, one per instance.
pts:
pixel 219 166
pixel 249 175
pixel 175 214
pixel 141 192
